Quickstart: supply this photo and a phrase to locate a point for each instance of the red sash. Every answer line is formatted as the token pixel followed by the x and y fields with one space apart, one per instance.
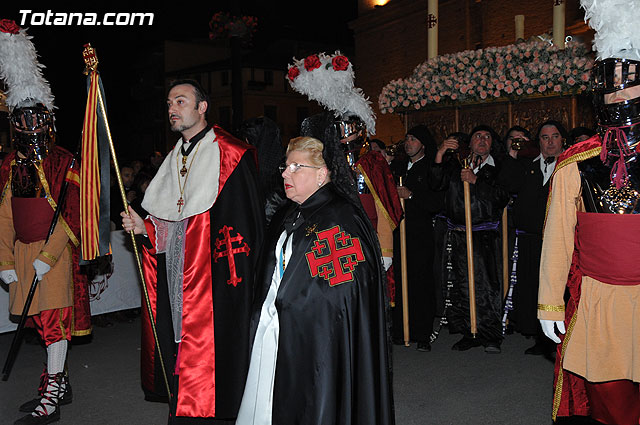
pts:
pixel 31 218
pixel 608 247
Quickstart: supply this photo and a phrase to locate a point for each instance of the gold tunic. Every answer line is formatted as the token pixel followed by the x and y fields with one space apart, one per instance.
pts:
pixel 604 340
pixel 56 288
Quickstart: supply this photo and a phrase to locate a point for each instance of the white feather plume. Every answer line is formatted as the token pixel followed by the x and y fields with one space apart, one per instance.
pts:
pixel 615 23
pixel 334 90
pixel 22 73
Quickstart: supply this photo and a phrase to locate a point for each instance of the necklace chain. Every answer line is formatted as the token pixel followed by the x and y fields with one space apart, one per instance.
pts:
pixel 183 186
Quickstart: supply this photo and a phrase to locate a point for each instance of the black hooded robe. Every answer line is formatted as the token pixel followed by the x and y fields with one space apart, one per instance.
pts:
pixel 488 199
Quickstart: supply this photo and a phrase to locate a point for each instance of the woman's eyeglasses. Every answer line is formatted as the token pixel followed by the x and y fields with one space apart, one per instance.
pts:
pixel 293 167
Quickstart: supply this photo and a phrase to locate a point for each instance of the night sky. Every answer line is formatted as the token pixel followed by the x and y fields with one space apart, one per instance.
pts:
pixel 118 47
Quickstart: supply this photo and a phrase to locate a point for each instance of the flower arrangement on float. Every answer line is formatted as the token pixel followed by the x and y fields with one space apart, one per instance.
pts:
pixel 223 25
pixel 515 71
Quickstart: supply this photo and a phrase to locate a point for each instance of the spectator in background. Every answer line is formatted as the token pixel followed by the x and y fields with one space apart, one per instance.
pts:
pixel 421 204
pixel 155 160
pixel 580 134
pixel 529 179
pixel 378 145
pixel 264 134
pixel 128 177
pixel 137 166
pixel 140 184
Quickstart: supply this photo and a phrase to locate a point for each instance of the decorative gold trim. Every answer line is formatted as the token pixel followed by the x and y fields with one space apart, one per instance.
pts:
pixel 547 307
pixel 7 263
pixel 376 198
pixel 557 393
pixel 579 157
pixel 52 203
pixel 61 322
pixel 387 251
pixel 50 257
pixel 8 183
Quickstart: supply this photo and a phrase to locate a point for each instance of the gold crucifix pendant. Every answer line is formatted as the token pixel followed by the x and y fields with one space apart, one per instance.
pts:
pixel 180 203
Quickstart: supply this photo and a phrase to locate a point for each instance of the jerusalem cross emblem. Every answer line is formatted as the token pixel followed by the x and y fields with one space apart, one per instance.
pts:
pixel 334 256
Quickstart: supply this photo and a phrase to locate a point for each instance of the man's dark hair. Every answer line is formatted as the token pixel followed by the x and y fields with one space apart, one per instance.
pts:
pixel 379 143
pixel 523 130
pixel 201 95
pixel 581 131
pixel 497 148
pixel 557 124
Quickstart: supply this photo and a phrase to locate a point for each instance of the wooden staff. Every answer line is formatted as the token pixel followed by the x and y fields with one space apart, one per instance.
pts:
pixel 403 269
pixel 470 271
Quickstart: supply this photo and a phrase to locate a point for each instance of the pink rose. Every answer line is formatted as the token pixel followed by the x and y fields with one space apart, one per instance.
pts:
pixel 542 88
pixel 529 90
pixel 483 94
pixel 454 96
pixel 496 93
pixel 519 92
pixel 509 89
pixel 557 88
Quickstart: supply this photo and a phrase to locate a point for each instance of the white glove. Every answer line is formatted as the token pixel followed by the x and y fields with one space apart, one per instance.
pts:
pixel 549 331
pixel 41 268
pixel 387 262
pixel 8 276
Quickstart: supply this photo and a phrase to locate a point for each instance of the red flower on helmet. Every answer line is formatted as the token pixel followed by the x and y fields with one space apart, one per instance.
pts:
pixel 9 26
pixel 293 73
pixel 312 62
pixel 340 63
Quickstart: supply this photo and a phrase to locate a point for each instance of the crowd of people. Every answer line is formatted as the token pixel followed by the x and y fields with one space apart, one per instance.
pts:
pixel 275 277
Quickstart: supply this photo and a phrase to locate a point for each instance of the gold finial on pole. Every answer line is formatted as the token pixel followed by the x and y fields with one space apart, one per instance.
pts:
pixel 90 59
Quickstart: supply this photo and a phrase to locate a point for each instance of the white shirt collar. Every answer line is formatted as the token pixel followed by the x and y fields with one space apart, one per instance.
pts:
pixel 487 161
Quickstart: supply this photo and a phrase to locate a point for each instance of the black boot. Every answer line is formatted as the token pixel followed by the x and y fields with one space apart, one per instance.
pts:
pixel 466 343
pixel 49 400
pixel 66 398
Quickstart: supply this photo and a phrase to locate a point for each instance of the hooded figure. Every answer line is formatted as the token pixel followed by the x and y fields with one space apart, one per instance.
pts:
pixel 488 199
pixel 421 205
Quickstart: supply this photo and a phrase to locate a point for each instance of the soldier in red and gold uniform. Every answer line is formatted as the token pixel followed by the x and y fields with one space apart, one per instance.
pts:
pixel 590 246
pixel 31 180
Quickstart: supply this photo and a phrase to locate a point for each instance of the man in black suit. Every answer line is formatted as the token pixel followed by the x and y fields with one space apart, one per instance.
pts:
pixel 529 181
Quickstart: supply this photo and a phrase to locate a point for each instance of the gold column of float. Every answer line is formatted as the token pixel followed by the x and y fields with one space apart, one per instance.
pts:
pixel 558 23
pixel 432 29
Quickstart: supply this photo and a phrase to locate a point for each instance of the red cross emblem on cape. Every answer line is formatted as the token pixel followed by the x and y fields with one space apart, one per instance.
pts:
pixel 224 248
pixel 334 256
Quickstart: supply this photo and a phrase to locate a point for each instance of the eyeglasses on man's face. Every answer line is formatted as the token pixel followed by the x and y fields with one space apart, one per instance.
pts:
pixel 294 167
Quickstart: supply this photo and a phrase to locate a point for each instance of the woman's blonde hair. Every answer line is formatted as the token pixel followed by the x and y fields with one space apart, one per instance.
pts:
pixel 311 145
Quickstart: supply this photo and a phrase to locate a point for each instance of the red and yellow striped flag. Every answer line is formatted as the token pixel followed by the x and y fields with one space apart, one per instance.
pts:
pixel 90 176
